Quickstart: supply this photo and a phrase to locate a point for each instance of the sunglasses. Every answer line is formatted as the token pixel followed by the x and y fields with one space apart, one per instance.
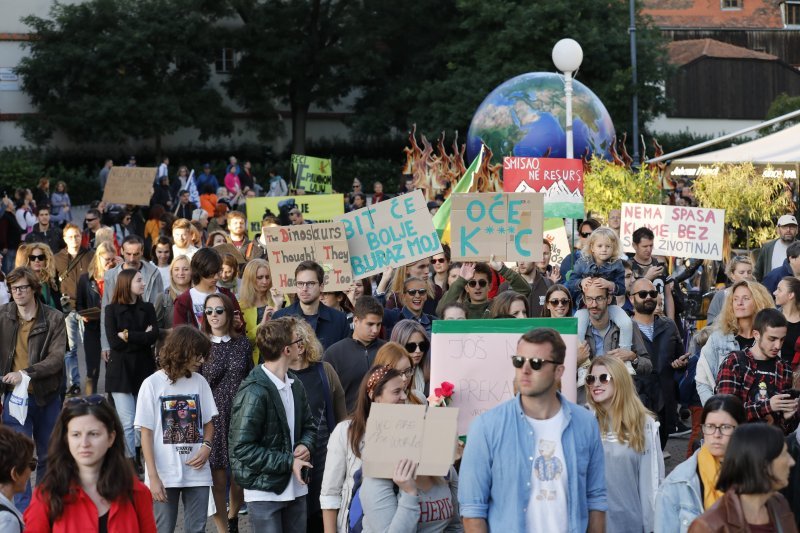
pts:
pixel 602 378
pixel 412 347
pixel 555 302
pixel 644 294
pixel 440 260
pixel 215 310
pixel 416 292
pixel 536 364
pixel 479 282
pixel 90 219
pixel 40 257
pixel 94 399
pixel 585 235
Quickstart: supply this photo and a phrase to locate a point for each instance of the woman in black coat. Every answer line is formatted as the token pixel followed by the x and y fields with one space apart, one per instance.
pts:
pixel 132 329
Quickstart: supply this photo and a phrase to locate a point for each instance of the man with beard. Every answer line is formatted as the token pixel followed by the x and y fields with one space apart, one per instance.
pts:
pixel 773 252
pixel 759 377
pixel 539 285
pixel 663 343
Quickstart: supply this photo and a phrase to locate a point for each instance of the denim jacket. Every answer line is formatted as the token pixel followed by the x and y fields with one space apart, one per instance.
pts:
pixel 717 348
pixel 678 501
pixel 585 267
pixel 495 478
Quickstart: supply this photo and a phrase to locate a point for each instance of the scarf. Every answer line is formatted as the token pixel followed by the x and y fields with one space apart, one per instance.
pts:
pixel 708 467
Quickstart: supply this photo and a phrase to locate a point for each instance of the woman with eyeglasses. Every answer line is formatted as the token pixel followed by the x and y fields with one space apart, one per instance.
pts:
pixel 227 364
pixel 632 449
pixel 16 465
pixel 175 411
pixel 412 336
pixel 396 356
pixel 690 489
pixel 441 267
pixel 381 384
pixel 414 296
pixel 509 304
pixel 39 257
pixel 89 484
pixel 259 300
pixel 326 400
pixel 757 465
pixel 787 298
pixel 91 286
pixel 739 268
pixel 132 329
pixel 558 302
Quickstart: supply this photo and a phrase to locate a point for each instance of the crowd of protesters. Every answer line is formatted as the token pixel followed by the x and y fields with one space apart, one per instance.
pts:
pixel 224 394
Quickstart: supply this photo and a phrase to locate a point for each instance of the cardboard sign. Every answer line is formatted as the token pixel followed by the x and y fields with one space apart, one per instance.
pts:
pixel 315 208
pixel 687 232
pixel 288 246
pixel 130 185
pixel 556 234
pixel 396 432
pixel 393 233
pixel 312 174
pixel 560 180
pixel 475 355
pixel 506 225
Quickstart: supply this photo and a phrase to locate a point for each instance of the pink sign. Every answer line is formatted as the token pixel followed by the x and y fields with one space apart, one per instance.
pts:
pixel 560 180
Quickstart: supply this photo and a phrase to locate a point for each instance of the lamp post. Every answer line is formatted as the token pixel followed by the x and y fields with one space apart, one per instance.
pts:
pixel 567 57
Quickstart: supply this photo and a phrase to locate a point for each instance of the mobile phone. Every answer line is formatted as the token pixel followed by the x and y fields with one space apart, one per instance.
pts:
pixel 305 474
pixel 794 393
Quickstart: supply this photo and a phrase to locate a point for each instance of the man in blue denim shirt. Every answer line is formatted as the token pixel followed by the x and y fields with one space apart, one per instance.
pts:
pixel 534 460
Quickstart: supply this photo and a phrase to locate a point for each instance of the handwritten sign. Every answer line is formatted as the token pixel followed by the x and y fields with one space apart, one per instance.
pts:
pixel 288 246
pixel 393 233
pixel 688 232
pixel 506 225
pixel 560 180
pixel 396 432
pixel 313 174
pixel 130 185
pixel 314 207
pixel 475 355
pixel 556 234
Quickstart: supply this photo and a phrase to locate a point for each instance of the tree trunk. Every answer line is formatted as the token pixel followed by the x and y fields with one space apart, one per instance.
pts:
pixel 299 118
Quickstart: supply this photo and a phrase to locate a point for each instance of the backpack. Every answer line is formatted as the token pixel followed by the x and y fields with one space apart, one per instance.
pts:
pixel 356 511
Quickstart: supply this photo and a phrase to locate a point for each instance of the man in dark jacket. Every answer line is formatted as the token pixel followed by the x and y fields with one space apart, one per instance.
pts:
pixel 45 232
pixel 329 324
pixel 272 433
pixel 32 340
pixel 539 285
pixel 790 267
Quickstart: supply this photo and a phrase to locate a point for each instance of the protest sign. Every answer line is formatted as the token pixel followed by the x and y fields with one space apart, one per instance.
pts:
pixel 687 232
pixel 560 180
pixel 396 432
pixel 475 356
pixel 556 234
pixel 312 174
pixel 506 225
pixel 314 207
pixel 288 246
pixel 130 185
pixel 393 233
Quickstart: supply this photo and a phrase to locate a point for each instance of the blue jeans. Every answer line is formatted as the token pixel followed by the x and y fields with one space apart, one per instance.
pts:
pixel 278 517
pixel 74 324
pixel 125 404
pixel 195 510
pixel 38 425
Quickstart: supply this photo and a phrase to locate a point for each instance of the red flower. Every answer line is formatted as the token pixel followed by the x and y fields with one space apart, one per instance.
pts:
pixel 445 390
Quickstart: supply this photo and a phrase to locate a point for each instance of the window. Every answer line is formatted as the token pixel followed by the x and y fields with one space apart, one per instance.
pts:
pixel 225 60
pixel 791 13
pixel 731 4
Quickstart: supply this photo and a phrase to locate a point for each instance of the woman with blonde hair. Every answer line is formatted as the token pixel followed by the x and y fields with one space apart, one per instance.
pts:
pixel 180 281
pixel 733 331
pixel 326 400
pixel 258 299
pixel 419 269
pixel 738 268
pixel 39 257
pixel 395 356
pixel 632 449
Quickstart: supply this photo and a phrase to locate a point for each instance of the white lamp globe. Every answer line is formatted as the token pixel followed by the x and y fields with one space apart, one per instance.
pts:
pixel 567 55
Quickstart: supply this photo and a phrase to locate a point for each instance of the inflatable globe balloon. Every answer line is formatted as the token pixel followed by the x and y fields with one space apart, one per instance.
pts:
pixel 525 116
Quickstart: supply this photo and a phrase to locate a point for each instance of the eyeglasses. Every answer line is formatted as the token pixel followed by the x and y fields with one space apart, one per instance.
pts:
pixel 594 299
pixel 294 213
pixel 644 294
pixel 440 260
pixel 603 379
pixel 536 364
pixel 19 289
pixel 298 341
pixel 555 302
pixel 90 219
pixel 479 282
pixel 39 257
pixel 94 399
pixel 724 429
pixel 412 347
pixel 306 284
pixel 585 235
pixel 32 464
pixel 407 372
pixel 416 292
pixel 219 310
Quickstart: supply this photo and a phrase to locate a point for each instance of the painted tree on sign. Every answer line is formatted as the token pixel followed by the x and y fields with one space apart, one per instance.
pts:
pixel 607 186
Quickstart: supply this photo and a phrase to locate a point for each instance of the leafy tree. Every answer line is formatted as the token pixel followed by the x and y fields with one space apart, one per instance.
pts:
pixel 111 70
pixel 607 186
pixel 782 105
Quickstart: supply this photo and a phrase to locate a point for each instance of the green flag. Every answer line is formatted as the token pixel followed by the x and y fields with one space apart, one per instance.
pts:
pixel 441 220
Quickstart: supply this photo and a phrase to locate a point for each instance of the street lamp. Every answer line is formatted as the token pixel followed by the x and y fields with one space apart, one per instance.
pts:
pixel 567 57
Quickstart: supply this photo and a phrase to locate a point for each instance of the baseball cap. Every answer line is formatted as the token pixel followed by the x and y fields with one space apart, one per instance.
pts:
pixel 787 220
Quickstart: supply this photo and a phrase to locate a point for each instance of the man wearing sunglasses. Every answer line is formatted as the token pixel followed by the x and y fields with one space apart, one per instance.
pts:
pixel 475 279
pixel 664 344
pixel 584 230
pixel 644 265
pixel 552 476
pixel 93 223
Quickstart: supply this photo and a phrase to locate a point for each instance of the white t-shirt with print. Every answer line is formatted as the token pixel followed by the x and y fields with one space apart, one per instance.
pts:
pixel 176 413
pixel 547 507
